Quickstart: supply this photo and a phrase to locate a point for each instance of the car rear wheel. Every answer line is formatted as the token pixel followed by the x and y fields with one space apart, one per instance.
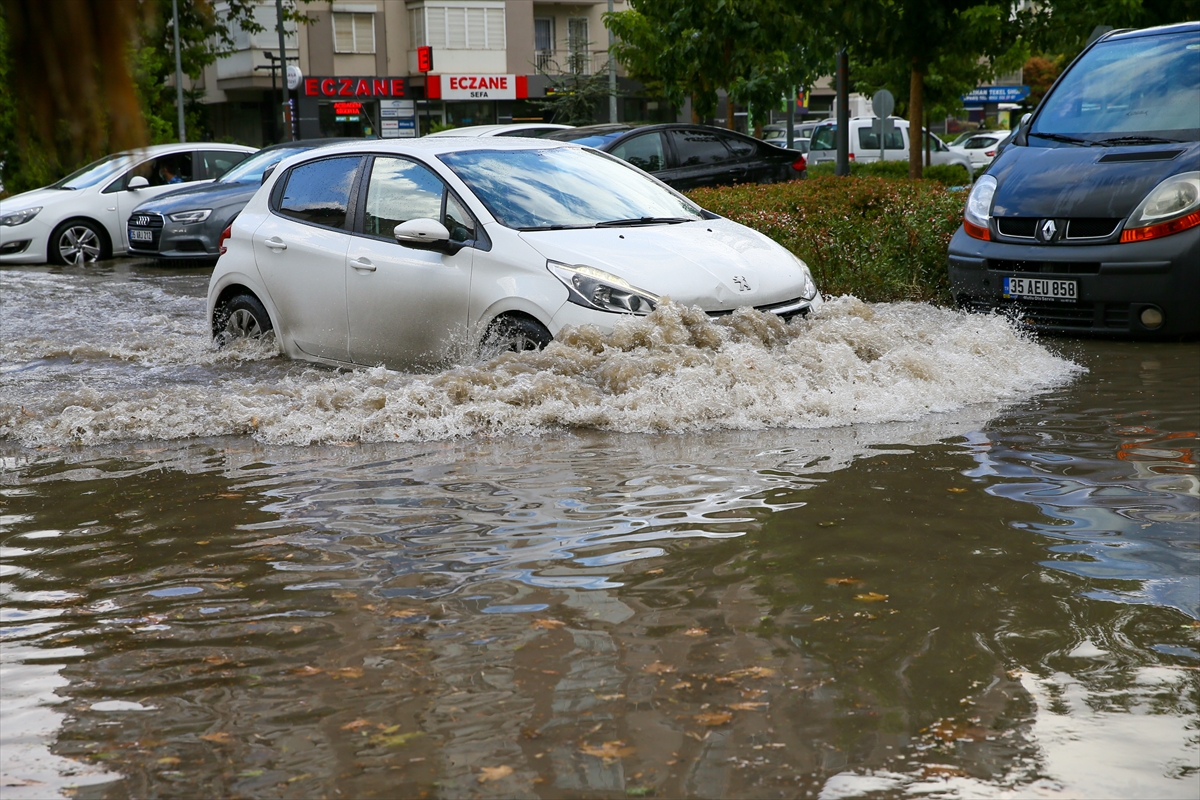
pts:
pixel 77 242
pixel 241 317
pixel 515 335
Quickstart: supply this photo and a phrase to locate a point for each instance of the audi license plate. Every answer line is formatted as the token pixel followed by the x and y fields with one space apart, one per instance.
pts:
pixel 1041 289
pixel 148 236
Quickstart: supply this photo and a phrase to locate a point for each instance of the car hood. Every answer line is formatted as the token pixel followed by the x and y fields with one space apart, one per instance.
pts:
pixel 1065 182
pixel 709 263
pixel 38 197
pixel 207 195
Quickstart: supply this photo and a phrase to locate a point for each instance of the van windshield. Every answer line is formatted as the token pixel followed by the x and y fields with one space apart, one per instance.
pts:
pixel 1126 91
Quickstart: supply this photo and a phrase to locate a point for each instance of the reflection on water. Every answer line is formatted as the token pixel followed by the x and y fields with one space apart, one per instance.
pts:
pixel 995 602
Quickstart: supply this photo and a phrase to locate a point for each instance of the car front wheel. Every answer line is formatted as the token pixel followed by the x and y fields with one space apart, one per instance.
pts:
pixel 77 242
pixel 515 335
pixel 241 317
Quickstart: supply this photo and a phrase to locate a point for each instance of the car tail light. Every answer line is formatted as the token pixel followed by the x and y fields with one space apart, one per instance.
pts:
pixel 800 164
pixel 225 234
pixel 852 156
pixel 989 153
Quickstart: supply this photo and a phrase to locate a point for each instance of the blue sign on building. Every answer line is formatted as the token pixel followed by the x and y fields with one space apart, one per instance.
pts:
pixel 996 94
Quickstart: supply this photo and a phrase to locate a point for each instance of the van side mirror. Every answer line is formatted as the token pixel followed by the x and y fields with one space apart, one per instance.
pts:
pixel 424 234
pixel 136 182
pixel 1020 137
pixel 267 173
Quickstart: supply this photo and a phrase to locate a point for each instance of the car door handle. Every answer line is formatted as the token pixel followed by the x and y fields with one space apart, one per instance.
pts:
pixel 275 243
pixel 363 265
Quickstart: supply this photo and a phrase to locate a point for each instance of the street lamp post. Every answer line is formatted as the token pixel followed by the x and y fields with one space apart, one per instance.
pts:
pixel 612 74
pixel 178 72
pixel 283 90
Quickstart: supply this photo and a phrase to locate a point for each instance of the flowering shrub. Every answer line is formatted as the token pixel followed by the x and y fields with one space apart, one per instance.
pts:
pixel 880 240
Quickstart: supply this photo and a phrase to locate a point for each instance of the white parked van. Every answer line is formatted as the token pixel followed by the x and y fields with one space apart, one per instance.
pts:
pixel 864 145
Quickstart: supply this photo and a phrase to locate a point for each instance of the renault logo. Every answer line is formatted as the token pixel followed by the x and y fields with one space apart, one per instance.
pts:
pixel 1047 230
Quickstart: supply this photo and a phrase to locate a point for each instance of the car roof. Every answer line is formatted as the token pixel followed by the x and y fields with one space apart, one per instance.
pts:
pixel 1181 27
pixel 485 130
pixel 178 147
pixel 312 142
pixel 436 145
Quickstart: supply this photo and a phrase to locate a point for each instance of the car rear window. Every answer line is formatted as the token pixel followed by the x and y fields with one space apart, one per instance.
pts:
pixel 319 192
pixel 696 148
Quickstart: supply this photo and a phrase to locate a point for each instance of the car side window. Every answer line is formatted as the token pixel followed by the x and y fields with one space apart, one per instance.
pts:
pixel 161 171
pixel 738 146
pixel 697 148
pixel 400 190
pixel 644 152
pixel 217 162
pixel 458 221
pixel 319 192
pixel 869 140
pixel 822 139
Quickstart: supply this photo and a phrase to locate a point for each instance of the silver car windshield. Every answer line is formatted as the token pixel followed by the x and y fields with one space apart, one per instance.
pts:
pixel 94 173
pixel 1126 91
pixel 566 187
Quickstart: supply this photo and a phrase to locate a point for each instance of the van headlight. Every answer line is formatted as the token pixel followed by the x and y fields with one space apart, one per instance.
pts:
pixel 979 208
pixel 1171 207
pixel 595 288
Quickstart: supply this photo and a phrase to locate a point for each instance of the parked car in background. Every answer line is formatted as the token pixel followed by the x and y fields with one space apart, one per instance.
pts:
pixel 962 137
pixel 529 129
pixel 981 148
pixel 778 131
pixel 186 224
pixel 1088 221
pixel 81 218
pixel 386 252
pixel 690 156
pixel 864 145
pixel 799 145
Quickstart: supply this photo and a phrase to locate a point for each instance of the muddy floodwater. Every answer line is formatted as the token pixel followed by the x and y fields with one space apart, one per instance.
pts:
pixel 887 551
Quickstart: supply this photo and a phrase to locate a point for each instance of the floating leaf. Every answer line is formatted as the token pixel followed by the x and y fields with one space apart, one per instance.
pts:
pixel 639 791
pixel 957 489
pixel 397 740
pixel 696 632
pixel 713 718
pixel 218 738
pixel 216 660
pixel 654 572
pixel 346 672
pixel 494 773
pixel 752 672
pixel 548 624
pixel 747 706
pixel 610 696
pixel 753 693
pixel 307 671
pixel 609 751
pixel 658 668
pixel 843 581
pixel 682 685
pixel 251 773
pixel 168 761
pixel 405 612
pixel 296 628
pixel 353 726
pixel 871 597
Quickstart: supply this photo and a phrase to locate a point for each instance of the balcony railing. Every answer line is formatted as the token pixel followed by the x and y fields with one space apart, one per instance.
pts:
pixel 569 62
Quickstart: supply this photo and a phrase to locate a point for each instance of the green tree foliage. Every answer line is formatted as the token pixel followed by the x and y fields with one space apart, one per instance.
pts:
pixel 573 96
pixel 1063 27
pixel 757 50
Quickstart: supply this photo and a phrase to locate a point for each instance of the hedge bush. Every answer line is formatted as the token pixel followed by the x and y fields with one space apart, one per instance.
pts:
pixel 945 174
pixel 880 240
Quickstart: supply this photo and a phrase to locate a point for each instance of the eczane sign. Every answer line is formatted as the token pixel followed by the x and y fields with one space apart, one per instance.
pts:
pixel 476 87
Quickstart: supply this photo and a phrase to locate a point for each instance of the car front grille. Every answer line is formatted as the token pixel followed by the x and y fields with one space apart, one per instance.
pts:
pixel 1080 228
pixel 146 220
pixel 1054 267
pixel 786 309
pixel 1097 317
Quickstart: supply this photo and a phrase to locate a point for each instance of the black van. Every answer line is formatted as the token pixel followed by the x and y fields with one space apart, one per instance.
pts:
pixel 1089 220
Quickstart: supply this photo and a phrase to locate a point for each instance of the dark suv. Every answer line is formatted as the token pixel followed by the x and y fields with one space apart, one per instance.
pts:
pixel 1088 220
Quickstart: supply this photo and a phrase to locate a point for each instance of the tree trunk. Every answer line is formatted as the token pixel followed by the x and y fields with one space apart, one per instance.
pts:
pixel 916 115
pixel 729 119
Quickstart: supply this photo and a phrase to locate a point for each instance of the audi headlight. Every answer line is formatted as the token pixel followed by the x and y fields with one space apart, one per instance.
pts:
pixel 20 217
pixel 979 208
pixel 190 217
pixel 1172 206
pixel 595 288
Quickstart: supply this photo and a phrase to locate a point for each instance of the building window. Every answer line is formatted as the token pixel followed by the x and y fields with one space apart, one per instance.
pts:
pixel 458 26
pixel 579 59
pixel 543 41
pixel 353 32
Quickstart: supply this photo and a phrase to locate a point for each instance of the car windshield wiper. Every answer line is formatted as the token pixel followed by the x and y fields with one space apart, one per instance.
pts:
pixel 1118 140
pixel 1059 137
pixel 555 227
pixel 621 223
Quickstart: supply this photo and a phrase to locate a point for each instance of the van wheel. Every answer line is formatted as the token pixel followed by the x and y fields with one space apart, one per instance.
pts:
pixel 242 317
pixel 515 335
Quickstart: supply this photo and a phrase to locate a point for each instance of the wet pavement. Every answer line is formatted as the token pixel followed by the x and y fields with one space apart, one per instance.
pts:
pixel 888 551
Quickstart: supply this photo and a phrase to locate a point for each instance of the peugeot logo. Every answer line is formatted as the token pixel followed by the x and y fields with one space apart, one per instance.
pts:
pixel 1047 230
pixel 742 284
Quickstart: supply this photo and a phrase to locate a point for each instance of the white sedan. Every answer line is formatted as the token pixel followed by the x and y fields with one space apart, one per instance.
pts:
pixel 83 218
pixel 981 148
pixel 394 253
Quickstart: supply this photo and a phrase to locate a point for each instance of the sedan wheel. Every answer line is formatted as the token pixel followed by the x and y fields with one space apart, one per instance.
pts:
pixel 515 335
pixel 77 243
pixel 243 317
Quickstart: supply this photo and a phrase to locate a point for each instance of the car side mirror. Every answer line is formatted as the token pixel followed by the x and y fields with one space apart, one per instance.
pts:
pixel 424 234
pixel 137 182
pixel 267 173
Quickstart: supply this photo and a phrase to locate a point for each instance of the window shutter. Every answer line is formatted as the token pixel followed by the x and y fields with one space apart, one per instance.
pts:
pixel 343 32
pixel 456 29
pixel 436 20
pixel 495 29
pixel 476 29
pixel 416 28
pixel 364 33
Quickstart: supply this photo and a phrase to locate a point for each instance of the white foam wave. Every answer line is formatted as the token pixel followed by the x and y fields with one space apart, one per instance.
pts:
pixel 676 370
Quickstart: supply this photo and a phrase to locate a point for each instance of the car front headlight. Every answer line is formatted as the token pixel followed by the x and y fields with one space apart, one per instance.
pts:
pixel 20 217
pixel 979 208
pixel 595 288
pixel 190 217
pixel 809 290
pixel 1171 207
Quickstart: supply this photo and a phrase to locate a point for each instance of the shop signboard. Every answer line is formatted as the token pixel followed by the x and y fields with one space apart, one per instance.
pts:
pixel 353 87
pixel 396 108
pixel 476 87
pixel 398 128
pixel 996 94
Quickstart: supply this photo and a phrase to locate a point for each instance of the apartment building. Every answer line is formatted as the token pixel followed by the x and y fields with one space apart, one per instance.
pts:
pixel 360 75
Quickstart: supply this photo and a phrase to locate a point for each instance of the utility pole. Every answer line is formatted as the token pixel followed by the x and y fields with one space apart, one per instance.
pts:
pixel 178 72
pixel 612 74
pixel 842 136
pixel 283 90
